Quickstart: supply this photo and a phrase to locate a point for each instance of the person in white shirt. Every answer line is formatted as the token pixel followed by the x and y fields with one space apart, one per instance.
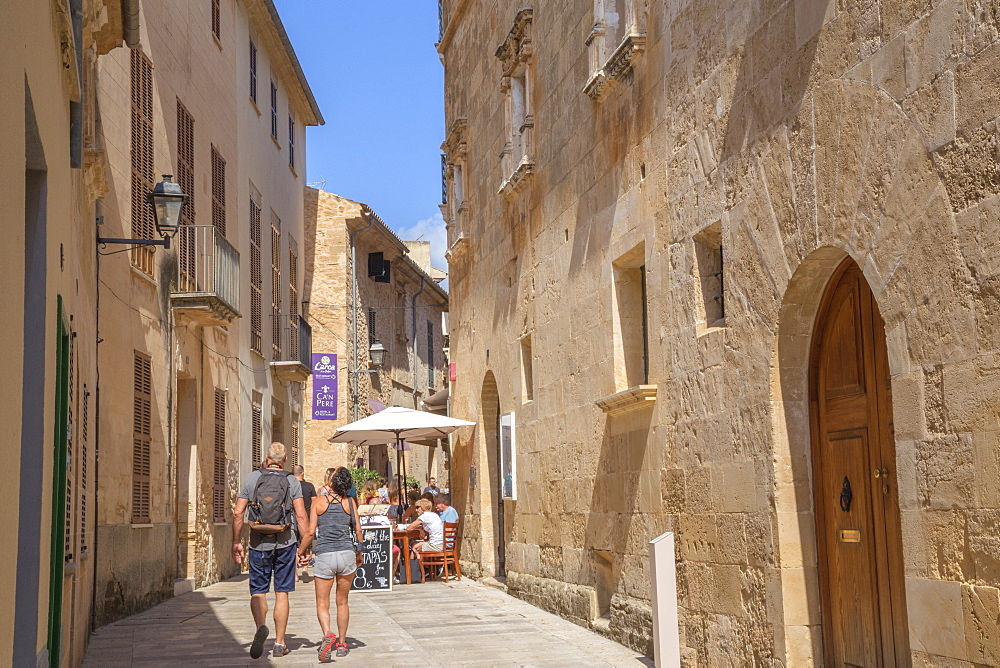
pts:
pixel 432 526
pixel 442 504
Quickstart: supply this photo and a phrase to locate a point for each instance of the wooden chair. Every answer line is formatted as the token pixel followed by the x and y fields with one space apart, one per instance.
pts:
pixel 445 558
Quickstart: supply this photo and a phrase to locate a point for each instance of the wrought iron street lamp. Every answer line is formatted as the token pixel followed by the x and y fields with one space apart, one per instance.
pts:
pixel 376 353
pixel 167 200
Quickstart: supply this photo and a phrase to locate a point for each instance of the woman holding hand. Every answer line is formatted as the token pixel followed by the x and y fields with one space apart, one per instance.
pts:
pixel 335 523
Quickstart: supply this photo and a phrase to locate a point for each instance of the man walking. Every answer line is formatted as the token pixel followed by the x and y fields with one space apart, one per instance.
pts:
pixel 274 499
pixel 308 494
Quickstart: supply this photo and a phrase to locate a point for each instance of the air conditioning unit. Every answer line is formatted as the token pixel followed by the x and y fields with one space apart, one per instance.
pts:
pixel 378 268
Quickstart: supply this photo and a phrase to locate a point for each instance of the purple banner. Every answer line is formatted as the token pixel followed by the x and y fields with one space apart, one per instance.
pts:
pixel 324 380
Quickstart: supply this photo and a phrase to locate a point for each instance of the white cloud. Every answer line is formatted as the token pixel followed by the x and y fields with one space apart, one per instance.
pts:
pixel 429 229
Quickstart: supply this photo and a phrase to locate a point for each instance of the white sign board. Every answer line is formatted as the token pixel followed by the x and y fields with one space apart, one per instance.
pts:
pixel 663 578
pixel 508 457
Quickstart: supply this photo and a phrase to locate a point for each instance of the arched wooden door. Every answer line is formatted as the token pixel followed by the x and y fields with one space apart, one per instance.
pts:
pixel 854 466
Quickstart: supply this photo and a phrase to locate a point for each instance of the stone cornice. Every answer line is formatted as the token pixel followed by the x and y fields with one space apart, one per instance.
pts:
pixel 516 47
pixel 634 398
pixel 454 146
pixel 452 26
pixel 618 64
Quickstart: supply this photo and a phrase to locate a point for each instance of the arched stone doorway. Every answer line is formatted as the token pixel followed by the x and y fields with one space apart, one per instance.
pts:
pixel 493 525
pixel 831 342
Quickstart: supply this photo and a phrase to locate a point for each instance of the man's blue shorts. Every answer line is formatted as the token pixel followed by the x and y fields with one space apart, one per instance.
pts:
pixel 278 563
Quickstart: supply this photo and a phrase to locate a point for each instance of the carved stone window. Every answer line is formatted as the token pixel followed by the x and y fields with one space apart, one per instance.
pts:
pixel 455 208
pixel 518 155
pixel 616 42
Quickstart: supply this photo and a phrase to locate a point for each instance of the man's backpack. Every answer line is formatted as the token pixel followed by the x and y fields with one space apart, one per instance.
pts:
pixel 270 509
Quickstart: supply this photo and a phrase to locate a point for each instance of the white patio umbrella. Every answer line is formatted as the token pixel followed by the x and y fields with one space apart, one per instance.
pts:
pixel 393 425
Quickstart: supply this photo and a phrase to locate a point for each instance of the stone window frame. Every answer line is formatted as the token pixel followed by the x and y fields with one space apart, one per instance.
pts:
pixel 455 207
pixel 612 58
pixel 517 85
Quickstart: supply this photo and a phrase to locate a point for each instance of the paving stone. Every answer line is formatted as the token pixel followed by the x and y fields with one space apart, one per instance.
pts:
pixel 455 623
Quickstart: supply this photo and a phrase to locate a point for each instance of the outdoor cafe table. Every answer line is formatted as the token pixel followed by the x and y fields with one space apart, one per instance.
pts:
pixel 404 554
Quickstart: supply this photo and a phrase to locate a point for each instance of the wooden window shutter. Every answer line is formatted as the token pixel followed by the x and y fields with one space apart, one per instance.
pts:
pixel 143 226
pixel 216 19
pixel 142 428
pixel 371 327
pixel 291 142
pixel 295 440
pixel 68 533
pixel 257 452
pixel 185 178
pixel 253 72
pixel 218 192
pixel 275 288
pixel 274 110
pixel 293 300
pixel 220 496
pixel 84 470
pixel 256 280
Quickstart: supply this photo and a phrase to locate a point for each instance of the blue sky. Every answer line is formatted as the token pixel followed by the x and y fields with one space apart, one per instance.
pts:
pixel 378 81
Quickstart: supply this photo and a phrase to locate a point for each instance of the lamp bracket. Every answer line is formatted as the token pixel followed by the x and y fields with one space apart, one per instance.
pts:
pixel 165 241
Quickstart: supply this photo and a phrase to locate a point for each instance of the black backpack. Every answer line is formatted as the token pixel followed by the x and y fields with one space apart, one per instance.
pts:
pixel 270 509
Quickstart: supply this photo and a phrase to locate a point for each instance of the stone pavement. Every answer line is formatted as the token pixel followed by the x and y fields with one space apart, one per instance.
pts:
pixel 459 623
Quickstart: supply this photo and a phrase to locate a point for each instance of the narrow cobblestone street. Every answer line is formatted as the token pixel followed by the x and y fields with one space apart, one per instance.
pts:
pixel 460 623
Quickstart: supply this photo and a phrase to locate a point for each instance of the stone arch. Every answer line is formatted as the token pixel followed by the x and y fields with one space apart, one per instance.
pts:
pixel 876 197
pixel 488 446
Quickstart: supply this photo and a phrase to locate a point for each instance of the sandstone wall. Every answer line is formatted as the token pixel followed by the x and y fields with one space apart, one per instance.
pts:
pixel 331 219
pixel 796 134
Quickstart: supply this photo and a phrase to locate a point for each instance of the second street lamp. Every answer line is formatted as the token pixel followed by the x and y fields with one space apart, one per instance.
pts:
pixel 167 200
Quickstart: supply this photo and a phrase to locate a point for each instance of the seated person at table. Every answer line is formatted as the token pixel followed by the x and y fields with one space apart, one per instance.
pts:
pixel 442 504
pixel 411 513
pixel 369 493
pixel 383 490
pixel 429 521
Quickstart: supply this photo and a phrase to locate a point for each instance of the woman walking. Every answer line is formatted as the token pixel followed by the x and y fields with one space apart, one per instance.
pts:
pixel 338 554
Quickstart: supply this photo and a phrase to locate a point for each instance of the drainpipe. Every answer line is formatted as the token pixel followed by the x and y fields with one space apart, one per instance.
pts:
pixel 413 305
pixel 130 22
pixel 354 308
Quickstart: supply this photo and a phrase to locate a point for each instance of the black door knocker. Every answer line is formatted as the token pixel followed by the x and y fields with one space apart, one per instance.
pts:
pixel 846 495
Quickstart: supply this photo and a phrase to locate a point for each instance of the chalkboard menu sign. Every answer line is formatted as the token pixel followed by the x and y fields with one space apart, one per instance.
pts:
pixel 375 571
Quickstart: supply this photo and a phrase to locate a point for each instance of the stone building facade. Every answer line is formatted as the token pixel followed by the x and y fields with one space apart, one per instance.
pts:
pixel 404 311
pixel 202 347
pixel 730 267
pixel 50 180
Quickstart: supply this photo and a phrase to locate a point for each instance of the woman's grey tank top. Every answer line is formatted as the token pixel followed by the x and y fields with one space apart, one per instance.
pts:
pixel 334 529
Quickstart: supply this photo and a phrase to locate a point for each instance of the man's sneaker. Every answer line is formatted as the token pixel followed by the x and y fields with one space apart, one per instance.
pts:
pixel 326 647
pixel 341 649
pixel 279 651
pixel 257 646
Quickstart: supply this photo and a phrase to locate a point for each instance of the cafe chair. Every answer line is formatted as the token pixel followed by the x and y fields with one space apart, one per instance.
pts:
pixel 445 558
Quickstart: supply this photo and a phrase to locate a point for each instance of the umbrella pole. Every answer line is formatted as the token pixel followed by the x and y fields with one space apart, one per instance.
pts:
pixel 399 478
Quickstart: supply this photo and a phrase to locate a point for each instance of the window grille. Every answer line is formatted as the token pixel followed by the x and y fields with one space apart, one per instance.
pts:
pixel 253 72
pixel 219 496
pixel 142 418
pixel 274 110
pixel 256 279
pixel 142 159
pixel 218 191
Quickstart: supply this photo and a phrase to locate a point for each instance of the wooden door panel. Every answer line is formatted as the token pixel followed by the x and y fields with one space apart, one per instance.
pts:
pixel 863 595
pixel 853 586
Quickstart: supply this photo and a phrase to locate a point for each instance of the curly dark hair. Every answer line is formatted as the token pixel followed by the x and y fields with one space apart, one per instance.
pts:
pixel 341 481
pixel 412 495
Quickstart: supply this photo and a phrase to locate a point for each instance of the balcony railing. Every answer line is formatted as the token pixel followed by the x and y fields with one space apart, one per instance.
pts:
pixel 206 285
pixel 293 352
